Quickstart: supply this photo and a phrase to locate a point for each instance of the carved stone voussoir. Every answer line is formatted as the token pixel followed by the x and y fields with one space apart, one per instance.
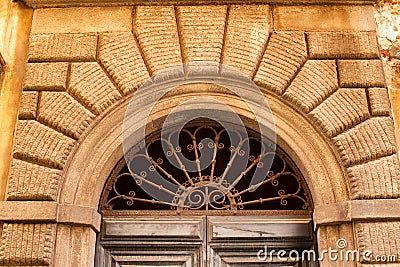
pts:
pixel 315 82
pixel 369 140
pixel 120 55
pixel 343 109
pixel 92 87
pixel 202 32
pixel 38 143
pixel 247 32
pixel 285 53
pixel 157 33
pixel 376 179
pixel 62 112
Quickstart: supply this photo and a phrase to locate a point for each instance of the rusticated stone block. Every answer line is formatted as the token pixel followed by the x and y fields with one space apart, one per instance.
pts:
pixel 342 110
pixel 63 113
pixel 82 19
pixel 379 101
pixel 91 87
pixel 120 55
pixel 46 76
pixel 156 29
pixel 361 73
pixel 315 82
pixel 324 18
pixel 29 181
pixel 28 105
pixel 202 32
pixel 247 33
pixel 38 143
pixel 26 244
pixel 394 51
pixel 63 47
pixel 342 45
pixel 369 140
pixel 381 238
pixel 376 179
pixel 286 52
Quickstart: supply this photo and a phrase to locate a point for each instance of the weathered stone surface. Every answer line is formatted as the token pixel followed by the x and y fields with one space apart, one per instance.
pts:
pixel 342 110
pixel 361 73
pixel 381 238
pixel 92 87
pixel 28 105
pixel 324 18
pixel 315 82
pixel 202 32
pixel 286 52
pixel 29 181
pixel 27 244
pixel 38 143
pixel 62 112
pixel 73 242
pixel 379 101
pixel 247 33
pixel 387 22
pixel 29 211
pixel 156 29
pixel 348 45
pixel 46 76
pixel 82 19
pixel 388 31
pixel 394 50
pixel 369 140
pixel 120 55
pixel 376 179
pixel 395 100
pixel 63 47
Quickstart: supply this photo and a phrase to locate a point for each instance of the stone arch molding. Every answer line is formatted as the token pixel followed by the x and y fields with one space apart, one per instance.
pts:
pixel 331 81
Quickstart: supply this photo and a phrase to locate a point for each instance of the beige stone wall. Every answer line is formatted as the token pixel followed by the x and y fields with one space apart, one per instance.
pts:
pixel 322 62
pixel 387 16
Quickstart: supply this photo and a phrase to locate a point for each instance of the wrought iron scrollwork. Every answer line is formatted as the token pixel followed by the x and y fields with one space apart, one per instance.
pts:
pixel 216 187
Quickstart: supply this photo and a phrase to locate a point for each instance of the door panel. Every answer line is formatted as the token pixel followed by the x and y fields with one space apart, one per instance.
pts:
pixel 236 240
pixel 152 241
pixel 200 241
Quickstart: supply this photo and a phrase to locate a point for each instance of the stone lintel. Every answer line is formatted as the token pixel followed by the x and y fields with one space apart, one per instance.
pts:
pixel 357 210
pixel 71 3
pixel 48 212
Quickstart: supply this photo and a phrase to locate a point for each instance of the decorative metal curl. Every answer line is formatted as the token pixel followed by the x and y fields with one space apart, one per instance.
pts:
pixel 208 190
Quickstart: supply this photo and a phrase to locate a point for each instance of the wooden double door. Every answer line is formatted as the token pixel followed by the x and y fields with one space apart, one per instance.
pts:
pixel 200 241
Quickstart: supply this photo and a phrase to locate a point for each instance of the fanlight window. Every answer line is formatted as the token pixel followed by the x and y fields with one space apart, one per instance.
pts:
pixel 210 185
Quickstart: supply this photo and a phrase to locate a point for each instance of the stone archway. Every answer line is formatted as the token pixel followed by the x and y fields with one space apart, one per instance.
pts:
pixel 326 85
pixel 297 136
